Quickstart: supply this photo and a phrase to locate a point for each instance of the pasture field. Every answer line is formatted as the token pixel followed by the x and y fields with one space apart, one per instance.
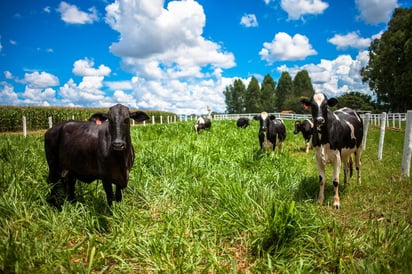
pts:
pixel 208 203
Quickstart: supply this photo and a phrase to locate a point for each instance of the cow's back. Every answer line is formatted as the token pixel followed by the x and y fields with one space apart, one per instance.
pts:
pixel 346 129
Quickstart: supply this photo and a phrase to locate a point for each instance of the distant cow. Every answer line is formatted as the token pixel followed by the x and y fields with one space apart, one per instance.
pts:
pixel 336 136
pixel 306 127
pixel 89 151
pixel 272 131
pixel 242 122
pixel 202 123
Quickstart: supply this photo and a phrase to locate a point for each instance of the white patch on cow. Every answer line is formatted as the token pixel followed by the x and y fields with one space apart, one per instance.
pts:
pixel 64 173
pixel 200 120
pixel 352 130
pixel 264 115
pixel 319 98
pixel 311 123
pixel 336 116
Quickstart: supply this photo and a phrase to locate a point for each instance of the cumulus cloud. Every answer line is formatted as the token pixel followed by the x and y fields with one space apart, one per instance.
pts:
pixel 296 9
pixel 249 20
pixel 72 15
pixel 284 47
pixel 376 11
pixel 165 50
pixel 40 80
pixel 337 76
pixel 351 39
pixel 84 67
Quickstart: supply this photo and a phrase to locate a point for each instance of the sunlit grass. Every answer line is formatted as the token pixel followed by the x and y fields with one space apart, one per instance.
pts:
pixel 209 202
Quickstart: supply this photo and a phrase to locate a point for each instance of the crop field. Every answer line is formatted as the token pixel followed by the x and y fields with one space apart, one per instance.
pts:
pixel 208 203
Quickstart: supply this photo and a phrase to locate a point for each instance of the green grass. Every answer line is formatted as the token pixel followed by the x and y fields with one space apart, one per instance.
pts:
pixel 208 202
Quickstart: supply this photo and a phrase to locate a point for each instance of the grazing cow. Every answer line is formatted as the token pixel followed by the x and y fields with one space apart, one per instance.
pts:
pixel 336 136
pixel 202 123
pixel 242 122
pixel 306 127
pixel 88 151
pixel 271 131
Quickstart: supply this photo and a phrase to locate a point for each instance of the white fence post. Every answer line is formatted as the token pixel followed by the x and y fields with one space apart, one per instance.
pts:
pixel 407 146
pixel 153 120
pixel 50 119
pixel 24 126
pixel 382 135
pixel 365 130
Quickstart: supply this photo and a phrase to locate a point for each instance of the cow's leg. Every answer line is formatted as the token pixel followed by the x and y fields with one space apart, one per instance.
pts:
pixel 321 172
pixel 336 171
pixel 52 180
pixel 358 165
pixel 307 146
pixel 107 185
pixel 346 164
pixel 69 183
pixel 118 194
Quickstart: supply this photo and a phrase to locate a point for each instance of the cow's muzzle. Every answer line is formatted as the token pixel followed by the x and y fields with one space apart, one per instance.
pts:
pixel 320 120
pixel 119 145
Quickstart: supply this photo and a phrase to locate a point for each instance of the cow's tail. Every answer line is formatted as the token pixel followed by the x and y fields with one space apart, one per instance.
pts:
pixel 350 167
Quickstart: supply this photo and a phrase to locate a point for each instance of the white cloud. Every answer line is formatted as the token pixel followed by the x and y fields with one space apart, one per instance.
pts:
pixel 165 50
pixel 351 39
pixel 284 47
pixel 8 95
pixel 335 77
pixel 84 67
pixel 72 15
pixel 8 75
pixel 296 9
pixel 376 11
pixel 40 80
pixel 249 20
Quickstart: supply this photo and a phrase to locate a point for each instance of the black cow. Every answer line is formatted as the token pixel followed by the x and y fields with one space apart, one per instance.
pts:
pixel 202 123
pixel 88 151
pixel 306 127
pixel 242 122
pixel 336 136
pixel 272 131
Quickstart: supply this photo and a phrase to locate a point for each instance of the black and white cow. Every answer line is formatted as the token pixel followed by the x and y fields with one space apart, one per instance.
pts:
pixel 242 122
pixel 306 127
pixel 202 123
pixel 336 136
pixel 272 131
pixel 100 148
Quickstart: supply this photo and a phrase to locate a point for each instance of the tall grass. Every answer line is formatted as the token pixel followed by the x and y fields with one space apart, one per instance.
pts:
pixel 209 202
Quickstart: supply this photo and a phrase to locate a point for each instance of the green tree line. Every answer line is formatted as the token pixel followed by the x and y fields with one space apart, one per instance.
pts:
pixel 268 96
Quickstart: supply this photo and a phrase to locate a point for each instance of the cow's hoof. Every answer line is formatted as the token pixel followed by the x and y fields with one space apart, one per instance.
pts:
pixel 336 206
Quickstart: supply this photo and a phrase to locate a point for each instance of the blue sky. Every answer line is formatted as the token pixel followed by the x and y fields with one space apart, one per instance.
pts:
pixel 179 56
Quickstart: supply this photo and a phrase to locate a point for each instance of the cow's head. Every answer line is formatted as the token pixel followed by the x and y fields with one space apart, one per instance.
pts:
pixel 298 125
pixel 319 105
pixel 200 122
pixel 118 119
pixel 264 119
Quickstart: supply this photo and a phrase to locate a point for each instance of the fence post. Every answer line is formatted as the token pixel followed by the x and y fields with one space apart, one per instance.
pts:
pixel 365 130
pixel 407 146
pixel 50 119
pixel 161 119
pixel 382 135
pixel 24 126
pixel 153 120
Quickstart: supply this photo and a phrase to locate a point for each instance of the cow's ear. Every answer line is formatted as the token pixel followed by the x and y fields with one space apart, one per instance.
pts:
pixel 332 102
pixel 139 116
pixel 98 118
pixel 306 103
pixel 256 117
pixel 272 117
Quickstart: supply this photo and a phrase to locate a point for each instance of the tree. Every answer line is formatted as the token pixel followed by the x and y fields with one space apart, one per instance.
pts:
pixel 284 90
pixel 253 101
pixel 302 85
pixel 389 70
pixel 235 97
pixel 268 94
pixel 355 100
